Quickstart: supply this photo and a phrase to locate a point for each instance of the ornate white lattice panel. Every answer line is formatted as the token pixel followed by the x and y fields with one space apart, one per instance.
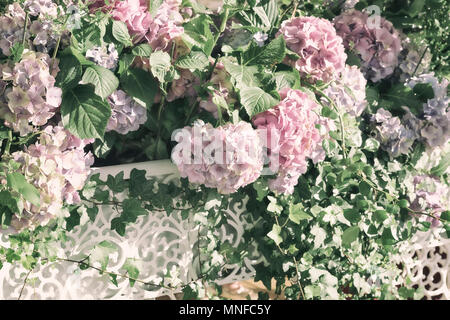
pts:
pixel 158 241
pixel 427 263
pixel 161 241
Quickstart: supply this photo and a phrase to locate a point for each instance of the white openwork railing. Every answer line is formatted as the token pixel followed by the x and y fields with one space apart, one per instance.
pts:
pixel 161 241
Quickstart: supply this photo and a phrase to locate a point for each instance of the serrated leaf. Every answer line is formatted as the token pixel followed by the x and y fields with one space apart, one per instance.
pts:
pixel 271 54
pixel 255 100
pixel 120 33
pixel 70 72
pixel 195 60
pixel 161 66
pixel 84 113
pixel 104 80
pixel 140 85
pixel 142 50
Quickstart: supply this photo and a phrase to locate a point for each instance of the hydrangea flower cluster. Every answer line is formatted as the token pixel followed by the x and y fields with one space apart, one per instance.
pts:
pixel 413 59
pixel 322 54
pixel 377 45
pixel 436 125
pixel 105 56
pixel 430 196
pixel 292 138
pixel 58 167
pixel 348 92
pixel 40 32
pixel 127 115
pixel 159 30
pixel 396 136
pixel 33 98
pixel 226 158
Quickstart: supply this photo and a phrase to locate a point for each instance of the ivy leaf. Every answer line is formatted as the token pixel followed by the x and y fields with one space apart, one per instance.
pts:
pixel 84 113
pixel 18 183
pixel 120 33
pixel 275 234
pixel 140 85
pixel 255 100
pixel 92 213
pixel 195 60
pixel 70 74
pixel 271 54
pixel 73 220
pixel 297 214
pixel 101 253
pixel 132 209
pixel 104 80
pixel 116 184
pixel 131 266
pixel 380 215
pixel 350 234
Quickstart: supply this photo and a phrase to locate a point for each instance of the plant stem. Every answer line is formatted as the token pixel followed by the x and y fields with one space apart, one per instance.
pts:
pixel 8 143
pixel 298 279
pixel 222 26
pixel 24 283
pixel 25 27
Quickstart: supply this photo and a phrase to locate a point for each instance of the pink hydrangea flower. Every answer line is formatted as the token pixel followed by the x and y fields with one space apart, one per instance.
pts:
pixel 292 138
pixel 158 30
pixel 322 54
pixel 58 167
pixel 378 46
pixel 226 158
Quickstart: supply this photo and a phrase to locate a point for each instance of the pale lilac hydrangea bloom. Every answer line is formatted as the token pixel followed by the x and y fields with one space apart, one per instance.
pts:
pixel 58 167
pixel 292 138
pixel 415 58
pixel 377 46
pixel 11 27
pixel 436 126
pixel 159 30
pixel 41 29
pixel 33 97
pixel 396 136
pixel 127 115
pixel 322 54
pixel 348 92
pixel 431 196
pixel 227 158
pixel 105 56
